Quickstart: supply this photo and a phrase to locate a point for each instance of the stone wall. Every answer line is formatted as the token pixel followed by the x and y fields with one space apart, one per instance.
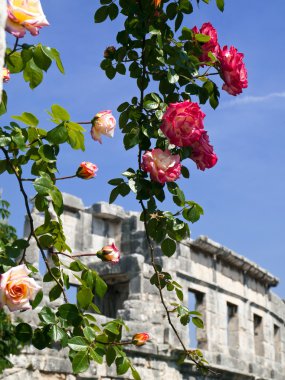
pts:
pixel 244 335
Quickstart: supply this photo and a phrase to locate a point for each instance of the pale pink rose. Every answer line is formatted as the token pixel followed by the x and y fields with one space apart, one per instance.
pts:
pixel 233 70
pixel 103 123
pixel 86 170
pixel 162 165
pixel 5 74
pixel 140 339
pixel 212 45
pixel 182 123
pixel 203 153
pixel 17 288
pixel 25 15
pixel 109 253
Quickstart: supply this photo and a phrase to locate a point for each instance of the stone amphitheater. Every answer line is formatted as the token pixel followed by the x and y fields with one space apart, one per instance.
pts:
pixel 244 335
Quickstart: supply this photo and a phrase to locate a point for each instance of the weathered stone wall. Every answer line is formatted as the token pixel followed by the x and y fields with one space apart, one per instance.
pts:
pixel 3 15
pixel 244 335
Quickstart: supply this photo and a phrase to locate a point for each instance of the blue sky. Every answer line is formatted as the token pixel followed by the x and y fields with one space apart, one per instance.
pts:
pixel 243 196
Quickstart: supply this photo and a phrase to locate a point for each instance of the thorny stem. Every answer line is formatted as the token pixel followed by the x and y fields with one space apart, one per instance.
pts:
pixel 151 249
pixel 149 242
pixel 32 233
pixel 76 255
pixel 83 122
pixel 54 179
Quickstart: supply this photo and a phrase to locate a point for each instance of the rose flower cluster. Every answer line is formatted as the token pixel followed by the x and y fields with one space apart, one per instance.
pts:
pixel 229 61
pixel 182 124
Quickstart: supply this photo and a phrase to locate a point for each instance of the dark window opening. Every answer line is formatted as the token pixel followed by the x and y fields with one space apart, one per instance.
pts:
pixel 117 293
pixel 232 326
pixel 258 335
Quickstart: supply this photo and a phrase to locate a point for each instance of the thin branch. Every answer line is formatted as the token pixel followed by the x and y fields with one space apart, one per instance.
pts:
pixel 54 179
pixel 76 255
pixel 26 201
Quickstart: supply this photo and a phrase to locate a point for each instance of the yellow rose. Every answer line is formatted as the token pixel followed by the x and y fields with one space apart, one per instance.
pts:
pixel 25 14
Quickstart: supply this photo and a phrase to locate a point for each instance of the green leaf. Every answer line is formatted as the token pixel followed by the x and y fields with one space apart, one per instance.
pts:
pixel 135 374
pixel 69 312
pixel 15 63
pixel 202 37
pixel 27 118
pixel 57 333
pixel 97 355
pixel 114 194
pixel 41 59
pixel 122 365
pixel 75 135
pixel 172 76
pixel 24 332
pixel 54 55
pixel 89 333
pixel 150 104
pixel 220 5
pixel 168 247
pixel 179 294
pixel 3 104
pixel 43 185
pixel 46 315
pixel 80 362
pixel 78 343
pixel 101 14
pixel 57 135
pixel 40 339
pixel 198 322
pixel 37 300
pixel 55 292
pixel 110 355
pixel 84 297
pixel 100 286
pixel 113 11
pixel 59 113
pixel 47 153
pixel 33 74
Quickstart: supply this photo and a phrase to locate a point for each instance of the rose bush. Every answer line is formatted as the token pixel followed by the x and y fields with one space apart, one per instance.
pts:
pixel 17 288
pixel 25 15
pixel 103 123
pixel 162 165
pixel 182 123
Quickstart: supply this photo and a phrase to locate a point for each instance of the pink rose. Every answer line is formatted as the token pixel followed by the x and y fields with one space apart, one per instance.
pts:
pixel 203 153
pixel 86 170
pixel 17 288
pixel 103 124
pixel 162 165
pixel 182 123
pixel 5 74
pixel 233 70
pixel 210 46
pixel 25 15
pixel 140 339
pixel 109 253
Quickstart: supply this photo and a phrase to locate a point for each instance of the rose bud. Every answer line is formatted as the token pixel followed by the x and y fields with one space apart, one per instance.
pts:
pixel 182 123
pixel 233 70
pixel 86 170
pixel 162 165
pixel 103 124
pixel 109 52
pixel 140 339
pixel 17 288
pixel 25 15
pixel 109 253
pixel 156 3
pixel 5 74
